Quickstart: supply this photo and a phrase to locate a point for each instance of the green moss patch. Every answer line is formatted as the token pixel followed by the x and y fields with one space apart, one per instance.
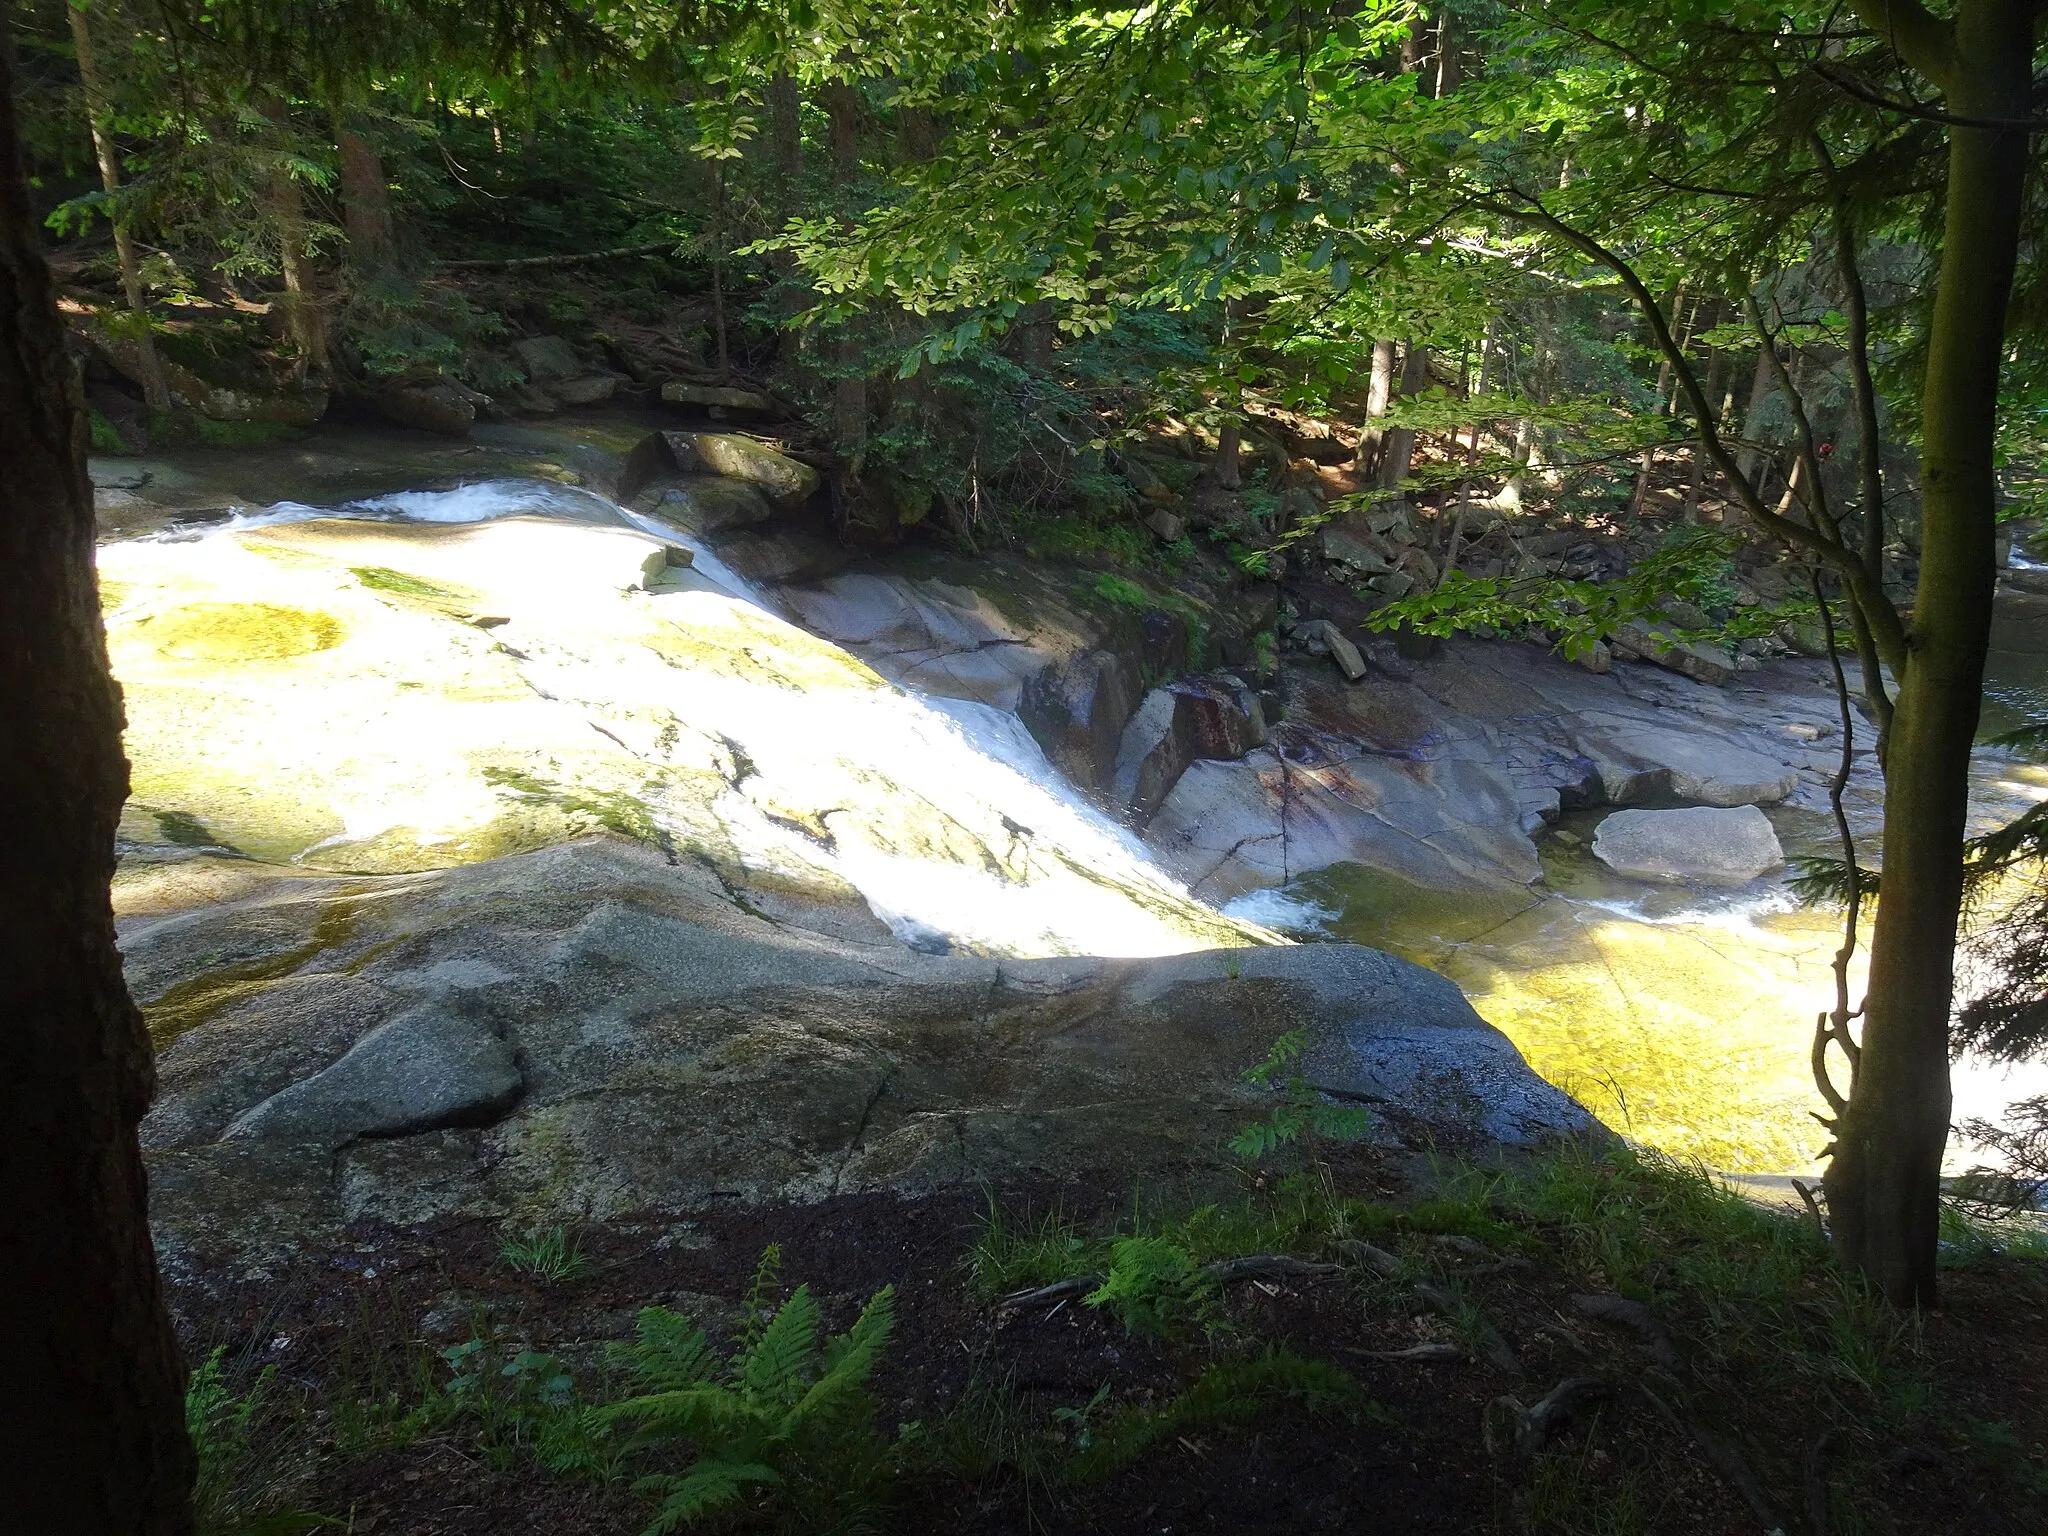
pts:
pixel 242 632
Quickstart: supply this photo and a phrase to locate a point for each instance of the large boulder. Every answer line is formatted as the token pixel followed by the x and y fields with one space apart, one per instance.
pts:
pixel 547 359
pixel 590 389
pixel 1639 762
pixel 714 396
pixel 444 406
pixel 1660 643
pixel 1309 801
pixel 1214 717
pixel 1715 846
pixel 207 379
pixel 594 1031
pixel 785 481
pixel 1078 713
pixel 710 504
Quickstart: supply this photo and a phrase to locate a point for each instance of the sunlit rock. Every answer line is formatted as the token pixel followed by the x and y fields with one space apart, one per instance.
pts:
pixel 359 695
pixel 1718 847
pixel 592 1031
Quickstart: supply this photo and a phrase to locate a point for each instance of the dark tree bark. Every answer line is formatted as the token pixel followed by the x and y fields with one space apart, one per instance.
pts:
pixel 786 132
pixel 92 1437
pixel 1883 1183
pixel 365 197
pixel 301 300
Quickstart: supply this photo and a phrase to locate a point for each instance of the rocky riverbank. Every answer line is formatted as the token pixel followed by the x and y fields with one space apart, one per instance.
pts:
pixel 501 851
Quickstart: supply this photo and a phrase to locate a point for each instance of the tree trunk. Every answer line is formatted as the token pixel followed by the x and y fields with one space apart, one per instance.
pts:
pixel 1697 482
pixel 1883 1183
pixel 301 302
pixel 1381 390
pixel 365 197
pixel 1229 442
pixel 95 1442
pixel 850 391
pixel 1641 493
pixel 1759 391
pixel 156 389
pixel 786 134
pixel 1399 453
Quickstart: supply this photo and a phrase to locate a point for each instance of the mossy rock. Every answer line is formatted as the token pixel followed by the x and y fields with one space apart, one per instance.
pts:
pixel 242 632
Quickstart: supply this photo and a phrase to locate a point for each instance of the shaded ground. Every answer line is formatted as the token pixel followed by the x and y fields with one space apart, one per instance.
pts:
pixel 1056 1417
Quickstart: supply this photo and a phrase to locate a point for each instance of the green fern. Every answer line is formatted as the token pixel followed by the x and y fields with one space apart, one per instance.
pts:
pixel 1303 1113
pixel 786 1413
pixel 1154 1285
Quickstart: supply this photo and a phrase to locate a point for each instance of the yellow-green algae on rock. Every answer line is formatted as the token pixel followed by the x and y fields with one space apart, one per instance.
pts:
pixel 1688 1032
pixel 378 697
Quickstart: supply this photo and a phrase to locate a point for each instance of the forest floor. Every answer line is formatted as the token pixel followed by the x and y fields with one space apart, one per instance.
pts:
pixel 1585 1345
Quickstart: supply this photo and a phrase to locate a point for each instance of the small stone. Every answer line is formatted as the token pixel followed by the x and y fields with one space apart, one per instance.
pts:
pixel 1599 659
pixel 1343 652
pixel 1704 843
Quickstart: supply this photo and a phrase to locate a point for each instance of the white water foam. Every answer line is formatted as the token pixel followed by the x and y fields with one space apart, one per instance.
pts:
pixel 1073 880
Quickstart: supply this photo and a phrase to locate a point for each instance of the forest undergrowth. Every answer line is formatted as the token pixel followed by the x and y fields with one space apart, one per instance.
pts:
pixel 1587 1343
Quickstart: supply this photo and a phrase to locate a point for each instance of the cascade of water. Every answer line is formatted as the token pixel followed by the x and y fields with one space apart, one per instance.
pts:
pixel 1027 866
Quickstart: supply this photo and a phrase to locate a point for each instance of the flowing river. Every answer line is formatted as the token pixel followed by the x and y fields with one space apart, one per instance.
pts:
pixel 1682 1019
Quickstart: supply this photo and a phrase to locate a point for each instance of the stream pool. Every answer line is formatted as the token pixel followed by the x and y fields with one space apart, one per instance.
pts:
pixel 1682 1017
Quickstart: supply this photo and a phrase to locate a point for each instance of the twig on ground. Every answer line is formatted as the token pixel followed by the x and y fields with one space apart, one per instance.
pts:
pixel 1434 1352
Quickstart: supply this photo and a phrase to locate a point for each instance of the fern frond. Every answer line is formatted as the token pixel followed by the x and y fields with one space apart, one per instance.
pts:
pixel 2032 734
pixel 2024 837
pixel 707 1486
pixel 850 1359
pixel 759 1306
pixel 706 1409
pixel 775 1369
pixel 670 1352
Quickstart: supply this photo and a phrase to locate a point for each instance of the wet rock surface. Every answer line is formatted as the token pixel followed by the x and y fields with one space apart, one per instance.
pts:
pixel 591 1030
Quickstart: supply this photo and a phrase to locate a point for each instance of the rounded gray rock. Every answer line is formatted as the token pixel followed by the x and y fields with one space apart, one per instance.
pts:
pixel 1719 846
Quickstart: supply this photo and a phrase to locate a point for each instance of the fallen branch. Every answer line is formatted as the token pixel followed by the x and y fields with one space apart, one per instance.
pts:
pixel 1436 1352
pixel 1059 1290
pixel 579 259
pixel 1373 1257
pixel 1725 1458
pixel 1509 1427
pixel 1268 1266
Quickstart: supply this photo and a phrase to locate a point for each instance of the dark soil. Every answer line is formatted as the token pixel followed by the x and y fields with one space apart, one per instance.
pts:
pixel 366 1322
